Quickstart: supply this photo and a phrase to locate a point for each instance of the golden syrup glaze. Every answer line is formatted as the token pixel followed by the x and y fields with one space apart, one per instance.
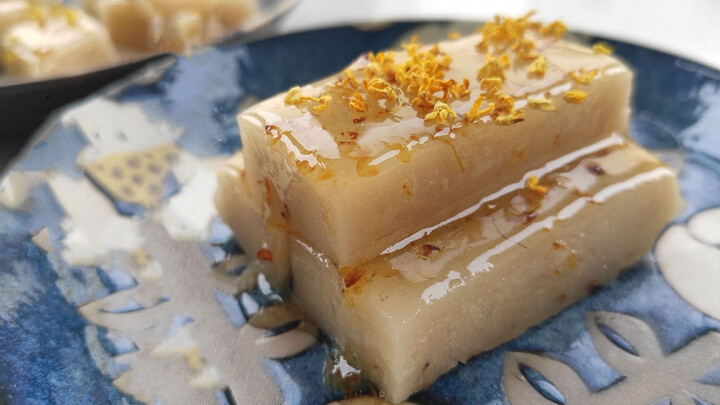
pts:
pixel 327 147
pixel 467 242
pixel 342 138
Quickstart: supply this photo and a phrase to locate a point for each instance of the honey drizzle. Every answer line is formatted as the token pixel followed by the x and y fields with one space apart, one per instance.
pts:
pixel 516 216
pixel 347 126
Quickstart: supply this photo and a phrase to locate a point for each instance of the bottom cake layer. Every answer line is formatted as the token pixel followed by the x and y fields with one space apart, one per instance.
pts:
pixel 412 314
pixel 487 280
pixel 260 236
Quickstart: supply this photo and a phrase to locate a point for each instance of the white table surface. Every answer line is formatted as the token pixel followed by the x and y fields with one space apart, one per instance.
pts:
pixel 688 28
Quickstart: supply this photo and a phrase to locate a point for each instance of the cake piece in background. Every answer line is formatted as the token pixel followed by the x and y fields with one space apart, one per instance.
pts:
pixel 133 24
pixel 169 25
pixel 13 12
pixel 45 39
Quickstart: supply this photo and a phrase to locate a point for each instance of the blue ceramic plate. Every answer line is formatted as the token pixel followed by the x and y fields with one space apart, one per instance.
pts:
pixel 119 284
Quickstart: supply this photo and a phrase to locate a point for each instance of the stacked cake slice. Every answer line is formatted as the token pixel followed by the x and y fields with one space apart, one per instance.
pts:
pixel 433 203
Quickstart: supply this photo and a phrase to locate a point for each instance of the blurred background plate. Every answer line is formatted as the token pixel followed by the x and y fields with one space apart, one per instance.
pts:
pixel 25 103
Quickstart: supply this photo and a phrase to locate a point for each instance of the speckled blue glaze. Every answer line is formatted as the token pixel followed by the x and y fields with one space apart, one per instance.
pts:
pixel 44 355
pixel 68 140
pixel 43 351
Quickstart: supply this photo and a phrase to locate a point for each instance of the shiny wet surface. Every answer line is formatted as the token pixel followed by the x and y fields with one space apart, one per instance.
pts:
pixel 676 104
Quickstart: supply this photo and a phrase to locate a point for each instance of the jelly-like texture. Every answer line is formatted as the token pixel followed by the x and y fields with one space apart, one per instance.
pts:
pixel 344 174
pixel 481 280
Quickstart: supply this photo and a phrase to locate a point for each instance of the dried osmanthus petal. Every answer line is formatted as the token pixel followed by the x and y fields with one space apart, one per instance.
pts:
pixel 574 96
pixel 537 67
pixel 441 113
pixel 357 103
pixel 295 97
pixel 602 48
pixel 542 104
pixel 583 77
pixel 533 184
pixel 475 112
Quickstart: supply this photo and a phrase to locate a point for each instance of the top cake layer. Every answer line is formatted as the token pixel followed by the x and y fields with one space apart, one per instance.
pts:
pixel 400 142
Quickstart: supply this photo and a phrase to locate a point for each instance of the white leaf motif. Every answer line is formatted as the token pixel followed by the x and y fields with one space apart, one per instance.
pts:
pixel 628 345
pixel 689 259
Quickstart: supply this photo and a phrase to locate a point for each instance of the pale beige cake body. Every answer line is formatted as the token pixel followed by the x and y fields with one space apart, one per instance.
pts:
pixel 13 12
pixel 491 277
pixel 485 278
pixel 170 25
pixel 402 174
pixel 41 39
pixel 46 38
pixel 257 233
pixel 417 238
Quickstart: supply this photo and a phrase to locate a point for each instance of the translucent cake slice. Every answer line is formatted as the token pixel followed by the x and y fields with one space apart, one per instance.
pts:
pixel 169 25
pixel 229 13
pixel 400 142
pixel 257 233
pixel 46 39
pixel 133 24
pixel 407 317
pixel 13 12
